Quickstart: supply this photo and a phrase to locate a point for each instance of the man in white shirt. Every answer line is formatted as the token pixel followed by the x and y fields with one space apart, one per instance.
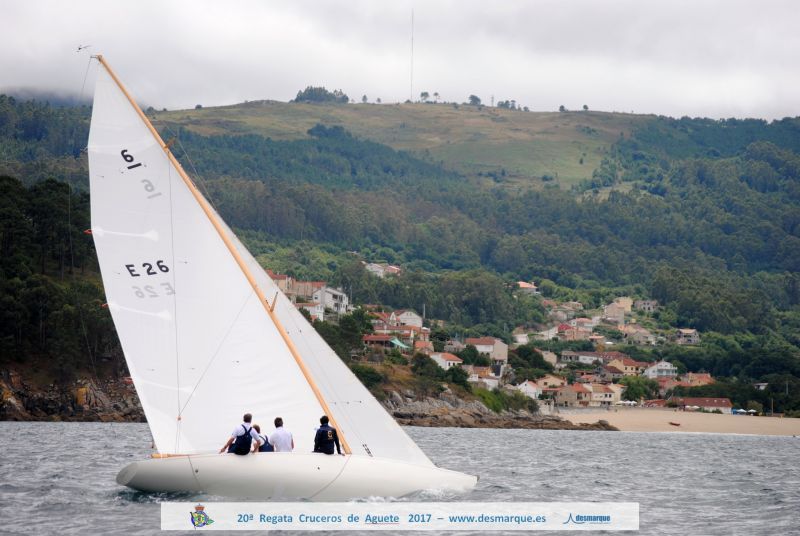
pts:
pixel 281 438
pixel 242 438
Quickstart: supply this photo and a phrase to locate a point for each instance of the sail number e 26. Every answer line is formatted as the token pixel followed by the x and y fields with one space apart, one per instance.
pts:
pixel 148 185
pixel 147 268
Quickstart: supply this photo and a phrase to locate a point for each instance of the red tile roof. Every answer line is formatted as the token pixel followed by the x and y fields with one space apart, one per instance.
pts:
pixel 481 341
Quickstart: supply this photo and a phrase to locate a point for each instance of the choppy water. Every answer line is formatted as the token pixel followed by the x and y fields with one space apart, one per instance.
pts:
pixel 58 478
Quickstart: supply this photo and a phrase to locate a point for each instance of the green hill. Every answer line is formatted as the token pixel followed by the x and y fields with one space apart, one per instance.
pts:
pixel 702 215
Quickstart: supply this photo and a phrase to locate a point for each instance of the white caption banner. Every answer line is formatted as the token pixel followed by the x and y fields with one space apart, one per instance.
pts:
pixel 400 516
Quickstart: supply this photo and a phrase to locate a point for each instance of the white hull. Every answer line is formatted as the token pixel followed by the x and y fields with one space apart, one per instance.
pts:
pixel 316 477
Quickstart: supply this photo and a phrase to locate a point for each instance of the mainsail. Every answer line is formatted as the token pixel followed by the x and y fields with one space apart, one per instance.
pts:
pixel 201 346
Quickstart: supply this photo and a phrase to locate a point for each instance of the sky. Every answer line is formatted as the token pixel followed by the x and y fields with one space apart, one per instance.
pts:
pixel 707 58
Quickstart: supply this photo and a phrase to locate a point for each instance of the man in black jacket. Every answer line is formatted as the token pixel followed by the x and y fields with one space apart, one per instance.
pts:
pixel 326 438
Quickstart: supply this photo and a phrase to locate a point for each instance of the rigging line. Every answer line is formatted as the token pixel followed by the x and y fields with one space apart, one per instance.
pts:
pixel 174 306
pixel 216 352
pixel 197 177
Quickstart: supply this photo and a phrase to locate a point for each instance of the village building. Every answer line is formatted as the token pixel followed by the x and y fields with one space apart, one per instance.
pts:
pixel 495 349
pixel 530 389
pixel 573 396
pixel 332 299
pixel 481 376
pixel 697 379
pixel 706 404
pixel 551 381
pixel 548 356
pixel 527 288
pixel 687 336
pixel 629 367
pixel 636 334
pixel 446 360
pixel 423 347
pixel 625 302
pixel 315 310
pixel 614 313
pixel 407 317
pixel 547 334
pixel 647 306
pixel 662 369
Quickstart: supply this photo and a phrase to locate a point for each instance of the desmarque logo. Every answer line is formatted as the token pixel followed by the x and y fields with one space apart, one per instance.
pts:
pixel 199 517
pixel 579 519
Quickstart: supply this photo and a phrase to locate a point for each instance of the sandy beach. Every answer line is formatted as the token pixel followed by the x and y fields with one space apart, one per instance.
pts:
pixel 658 420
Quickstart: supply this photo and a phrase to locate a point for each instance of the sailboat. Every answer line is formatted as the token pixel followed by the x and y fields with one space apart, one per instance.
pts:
pixel 208 336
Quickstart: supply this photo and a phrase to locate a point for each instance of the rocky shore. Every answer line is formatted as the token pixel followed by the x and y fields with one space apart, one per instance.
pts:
pixel 85 400
pixel 116 400
pixel 449 410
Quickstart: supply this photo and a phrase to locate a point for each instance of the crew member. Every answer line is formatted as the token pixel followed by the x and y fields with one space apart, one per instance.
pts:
pixel 264 445
pixel 242 437
pixel 326 437
pixel 281 439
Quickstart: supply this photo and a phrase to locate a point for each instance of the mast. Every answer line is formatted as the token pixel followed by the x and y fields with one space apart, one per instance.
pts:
pixel 209 212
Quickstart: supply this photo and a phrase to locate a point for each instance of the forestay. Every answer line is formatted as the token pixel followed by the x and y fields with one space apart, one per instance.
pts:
pixel 199 345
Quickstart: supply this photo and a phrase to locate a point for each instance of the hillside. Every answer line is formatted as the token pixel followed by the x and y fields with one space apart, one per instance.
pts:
pixel 471 140
pixel 702 215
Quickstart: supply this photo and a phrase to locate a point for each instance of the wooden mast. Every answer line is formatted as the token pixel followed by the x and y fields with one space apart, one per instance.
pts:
pixel 209 212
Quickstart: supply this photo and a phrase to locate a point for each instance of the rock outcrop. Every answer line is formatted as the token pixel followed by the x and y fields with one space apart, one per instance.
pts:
pixel 449 410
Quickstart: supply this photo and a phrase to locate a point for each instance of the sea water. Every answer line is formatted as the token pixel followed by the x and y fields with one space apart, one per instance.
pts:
pixel 58 478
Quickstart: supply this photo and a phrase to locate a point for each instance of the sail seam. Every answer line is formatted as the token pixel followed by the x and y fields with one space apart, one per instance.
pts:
pixel 175 309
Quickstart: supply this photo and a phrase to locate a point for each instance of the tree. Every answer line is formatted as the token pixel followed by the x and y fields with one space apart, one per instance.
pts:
pixel 198 106
pixel 363 99
pixel 474 100
pixel 424 96
pixel 436 96
pixel 378 100
pixel 638 388
pixel 585 108
pixel 562 108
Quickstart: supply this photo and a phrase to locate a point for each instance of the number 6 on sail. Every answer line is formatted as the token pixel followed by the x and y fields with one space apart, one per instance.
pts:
pixel 204 345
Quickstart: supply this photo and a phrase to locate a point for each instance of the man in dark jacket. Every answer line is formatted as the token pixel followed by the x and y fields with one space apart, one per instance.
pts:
pixel 326 438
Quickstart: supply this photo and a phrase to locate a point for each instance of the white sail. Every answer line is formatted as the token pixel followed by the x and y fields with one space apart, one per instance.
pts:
pixel 199 345
pixel 369 429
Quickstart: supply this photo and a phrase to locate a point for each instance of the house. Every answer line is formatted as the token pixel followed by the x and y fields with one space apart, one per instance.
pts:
pixel 527 288
pixel 407 317
pixel 549 381
pixel 609 373
pixel 547 334
pixel 603 395
pixel 666 384
pixel 697 379
pixel 446 360
pixel 625 302
pixel 636 334
pixel 662 369
pixel 315 310
pixel 375 269
pixel 332 299
pixel 383 341
pixel 687 336
pixel 423 347
pixel 647 306
pixel 482 376
pixel 495 349
pixel 629 367
pixel 520 335
pixel 530 389
pixel 575 334
pixel 583 323
pixel 705 404
pixel 454 346
pixel 283 281
pixel 306 289
pixel 586 358
pixel 574 396
pixel 614 313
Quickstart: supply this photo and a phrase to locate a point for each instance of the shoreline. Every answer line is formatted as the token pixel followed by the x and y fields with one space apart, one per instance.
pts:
pixel 658 420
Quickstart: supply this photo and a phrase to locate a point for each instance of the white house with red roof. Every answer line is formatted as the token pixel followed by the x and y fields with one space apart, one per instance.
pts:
pixel 707 404
pixel 315 310
pixel 407 317
pixel 446 360
pixel 530 389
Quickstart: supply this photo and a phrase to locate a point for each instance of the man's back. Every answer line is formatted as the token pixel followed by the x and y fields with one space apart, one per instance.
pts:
pixel 325 440
pixel 282 440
